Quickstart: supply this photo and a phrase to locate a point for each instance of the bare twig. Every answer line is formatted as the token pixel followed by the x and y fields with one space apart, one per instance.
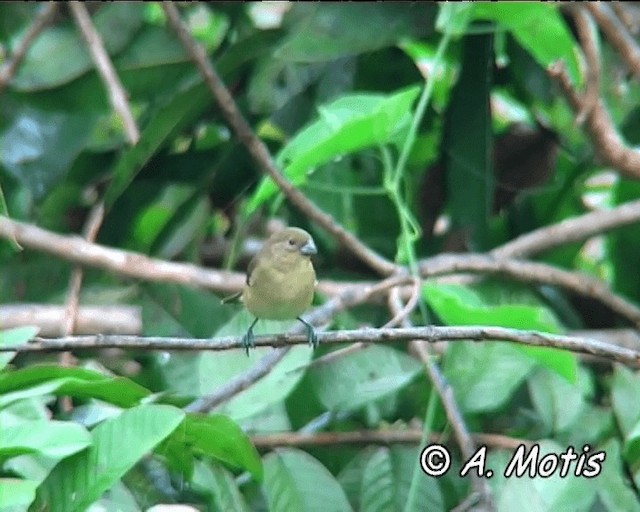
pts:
pixel 585 25
pixel 527 271
pixel 603 134
pixel 570 230
pixel 427 333
pixel 39 23
pixel 90 319
pixel 260 153
pixel 617 34
pixel 395 436
pixel 117 94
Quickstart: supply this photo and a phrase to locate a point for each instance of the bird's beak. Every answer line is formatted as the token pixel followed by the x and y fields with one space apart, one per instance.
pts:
pixel 309 248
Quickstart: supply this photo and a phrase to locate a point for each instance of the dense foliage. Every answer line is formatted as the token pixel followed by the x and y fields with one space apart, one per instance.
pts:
pixel 421 128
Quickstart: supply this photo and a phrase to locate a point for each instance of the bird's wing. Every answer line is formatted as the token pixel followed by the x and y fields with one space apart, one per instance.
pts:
pixel 252 266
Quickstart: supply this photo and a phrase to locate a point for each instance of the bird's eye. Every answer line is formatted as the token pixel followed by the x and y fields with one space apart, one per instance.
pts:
pixel 292 241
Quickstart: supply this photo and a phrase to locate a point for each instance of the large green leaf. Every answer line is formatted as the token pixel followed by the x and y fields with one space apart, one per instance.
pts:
pixel 219 437
pixel 39 380
pixel 219 484
pixel 355 380
pixel 15 336
pixel 346 125
pixel 59 54
pixel 293 480
pixel 15 494
pixel 540 29
pixel 118 444
pixel 458 305
pixel 216 369
pixel 325 31
pixel 55 439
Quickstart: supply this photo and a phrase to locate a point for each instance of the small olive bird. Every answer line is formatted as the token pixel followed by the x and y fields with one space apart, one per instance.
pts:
pixel 280 281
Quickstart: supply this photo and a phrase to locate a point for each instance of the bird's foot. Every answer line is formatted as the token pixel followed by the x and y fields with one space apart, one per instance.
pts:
pixel 249 340
pixel 312 337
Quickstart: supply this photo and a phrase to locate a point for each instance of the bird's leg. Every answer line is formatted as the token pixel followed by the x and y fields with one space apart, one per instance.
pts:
pixel 312 337
pixel 248 340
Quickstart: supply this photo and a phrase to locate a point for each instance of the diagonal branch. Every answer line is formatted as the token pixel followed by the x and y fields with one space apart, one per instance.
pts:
pixel 260 153
pixel 42 19
pixel 117 95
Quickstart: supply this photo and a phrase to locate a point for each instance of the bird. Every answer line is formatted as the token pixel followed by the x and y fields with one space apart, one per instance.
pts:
pixel 280 282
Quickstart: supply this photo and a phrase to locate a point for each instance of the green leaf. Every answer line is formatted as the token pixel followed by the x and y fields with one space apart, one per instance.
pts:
pixel 484 376
pixel 219 484
pixel 386 481
pixel 613 490
pixel 183 106
pixel 363 377
pixel 540 29
pixel 37 147
pixel 625 390
pixel 59 54
pixel 39 380
pixel 16 495
pixel 345 125
pixel 215 370
pixel 54 439
pixel 458 305
pixel 293 480
pixel 325 31
pixel 219 437
pixel 15 336
pixel 118 444
pixel 468 142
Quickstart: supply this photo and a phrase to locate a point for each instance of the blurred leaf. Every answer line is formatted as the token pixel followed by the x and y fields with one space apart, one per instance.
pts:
pixel 38 146
pixel 15 336
pixel 54 439
pixel 363 377
pixel 78 481
pixel 454 18
pixel 15 494
pixel 293 480
pixel 623 246
pixel 325 31
pixel 625 390
pixel 485 376
pixel 38 380
pixel 215 370
pixel 217 436
pixel 613 490
pixel 468 143
pixel 540 29
pixel 220 485
pixel 457 305
pixel 59 54
pixel 386 481
pixel 346 125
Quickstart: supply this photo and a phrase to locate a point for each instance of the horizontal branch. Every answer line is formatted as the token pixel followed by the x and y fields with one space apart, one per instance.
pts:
pixel 409 436
pixel 91 319
pixel 430 334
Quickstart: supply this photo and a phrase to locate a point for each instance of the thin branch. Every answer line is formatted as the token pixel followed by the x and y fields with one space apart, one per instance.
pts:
pixel 585 26
pixel 260 153
pixel 527 271
pixel 618 35
pixel 571 230
pixel 440 385
pixel 428 333
pixel 604 136
pixel 117 94
pixel 39 23
pixel 125 263
pixel 366 437
pixel 90 319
